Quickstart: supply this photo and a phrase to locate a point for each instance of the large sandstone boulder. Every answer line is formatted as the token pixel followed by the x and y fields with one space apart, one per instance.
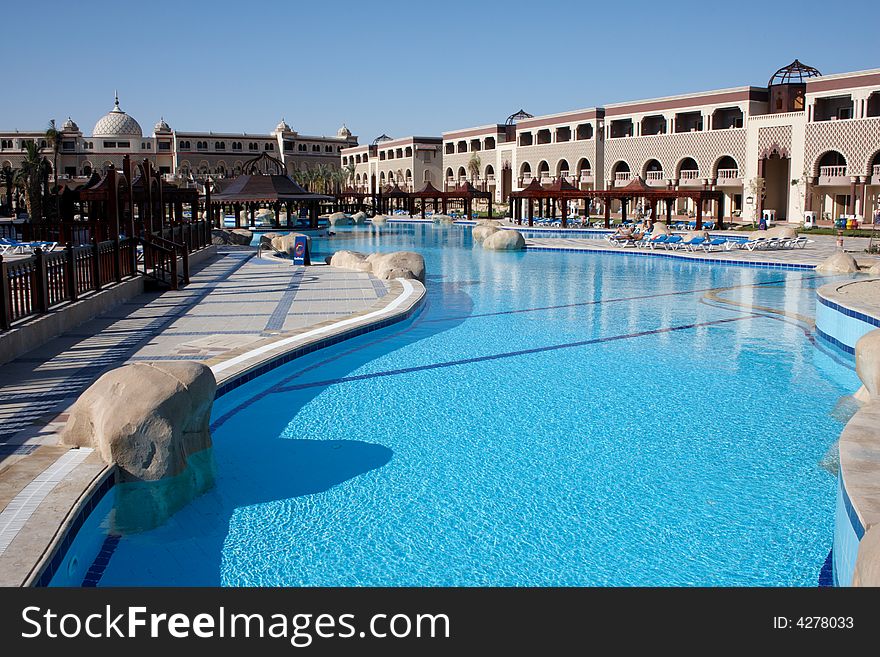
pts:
pixel 147 418
pixel 660 228
pixel 481 232
pixel 691 234
pixel 781 232
pixel 505 240
pixel 359 218
pixel 285 243
pixel 380 220
pixel 239 236
pixel 400 264
pixel 266 239
pixel 868 362
pixel 338 219
pixel 350 260
pixel 151 420
pixel 839 263
pixel 488 222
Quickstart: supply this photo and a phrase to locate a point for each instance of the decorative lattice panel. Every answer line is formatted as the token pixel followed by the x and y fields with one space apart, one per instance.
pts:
pixel 707 148
pixel 776 136
pixel 858 140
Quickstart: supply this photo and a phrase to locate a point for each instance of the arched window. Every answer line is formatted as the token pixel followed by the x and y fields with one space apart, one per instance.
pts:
pixel 688 169
pixel 543 169
pixel 409 151
pixel 525 169
pixel 427 175
pixel 462 174
pixel 832 163
pixel 562 168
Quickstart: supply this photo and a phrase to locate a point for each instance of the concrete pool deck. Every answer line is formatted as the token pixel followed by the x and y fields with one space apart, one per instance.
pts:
pixel 239 312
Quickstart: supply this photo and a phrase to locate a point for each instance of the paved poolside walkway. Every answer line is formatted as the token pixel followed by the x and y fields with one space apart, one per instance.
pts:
pixel 235 310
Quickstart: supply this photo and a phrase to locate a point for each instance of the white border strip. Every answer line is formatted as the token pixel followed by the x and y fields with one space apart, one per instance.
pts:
pixel 408 291
pixel 22 507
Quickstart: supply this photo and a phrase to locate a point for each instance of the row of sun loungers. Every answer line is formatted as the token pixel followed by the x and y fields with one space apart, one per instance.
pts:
pixel 12 247
pixel 677 242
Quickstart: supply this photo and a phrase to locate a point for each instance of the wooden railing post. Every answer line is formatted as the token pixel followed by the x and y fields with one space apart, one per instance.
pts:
pixel 70 272
pixel 185 251
pixel 117 260
pixel 41 282
pixel 5 310
pixel 96 264
pixel 174 284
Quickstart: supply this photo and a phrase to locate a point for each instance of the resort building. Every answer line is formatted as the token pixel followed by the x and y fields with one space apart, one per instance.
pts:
pixel 117 134
pixel 803 145
pixel 408 162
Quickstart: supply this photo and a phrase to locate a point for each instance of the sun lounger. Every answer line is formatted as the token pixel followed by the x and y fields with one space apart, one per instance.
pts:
pixel 751 245
pixel 673 242
pixel 720 243
pixel 693 243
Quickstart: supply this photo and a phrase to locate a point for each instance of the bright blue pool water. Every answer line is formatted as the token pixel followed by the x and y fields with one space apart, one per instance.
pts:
pixel 545 419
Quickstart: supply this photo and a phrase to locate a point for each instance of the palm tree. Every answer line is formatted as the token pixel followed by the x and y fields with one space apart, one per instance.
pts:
pixel 473 166
pixel 53 140
pixel 30 178
pixel 7 175
pixel 348 170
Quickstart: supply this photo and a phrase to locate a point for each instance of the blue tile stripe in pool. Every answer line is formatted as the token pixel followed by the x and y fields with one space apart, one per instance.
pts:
pixel 850 511
pixel 849 312
pixel 826 574
pixel 99 565
pixel 82 513
pixel 837 343
pixel 660 254
pixel 98 493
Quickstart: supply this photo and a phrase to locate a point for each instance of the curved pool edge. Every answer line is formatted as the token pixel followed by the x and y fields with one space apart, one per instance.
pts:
pixel 405 298
pixel 842 321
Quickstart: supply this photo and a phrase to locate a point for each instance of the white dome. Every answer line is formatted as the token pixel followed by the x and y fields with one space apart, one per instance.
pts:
pixel 70 126
pixel 282 127
pixel 117 123
pixel 343 132
pixel 161 126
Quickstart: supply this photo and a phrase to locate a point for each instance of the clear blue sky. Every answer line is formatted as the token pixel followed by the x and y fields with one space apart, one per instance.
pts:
pixel 399 67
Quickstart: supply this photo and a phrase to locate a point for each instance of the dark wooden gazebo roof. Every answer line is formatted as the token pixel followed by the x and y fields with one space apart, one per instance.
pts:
pixel 394 191
pixel 264 180
pixel 428 191
pixel 350 192
pixel 467 191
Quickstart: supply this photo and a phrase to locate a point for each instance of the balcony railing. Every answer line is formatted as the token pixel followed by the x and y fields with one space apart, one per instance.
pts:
pixel 654 175
pixel 622 176
pixel 690 174
pixel 585 175
pixel 490 177
pixel 877 169
pixel 546 179
pixel 837 170
pixel 527 179
pixel 726 174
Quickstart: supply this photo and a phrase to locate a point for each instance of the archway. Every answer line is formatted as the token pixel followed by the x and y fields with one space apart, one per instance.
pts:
pixel 775 168
pixel 562 168
pixel 652 170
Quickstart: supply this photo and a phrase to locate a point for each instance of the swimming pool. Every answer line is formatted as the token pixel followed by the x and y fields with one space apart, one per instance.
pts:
pixel 546 419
